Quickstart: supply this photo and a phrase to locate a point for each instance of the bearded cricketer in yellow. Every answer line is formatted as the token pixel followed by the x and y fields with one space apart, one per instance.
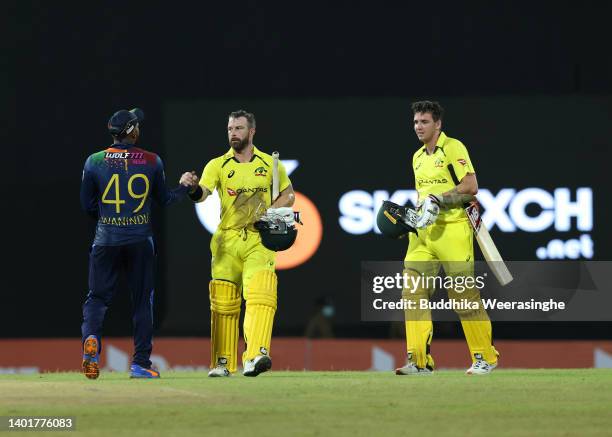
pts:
pixel 241 265
pixel 445 179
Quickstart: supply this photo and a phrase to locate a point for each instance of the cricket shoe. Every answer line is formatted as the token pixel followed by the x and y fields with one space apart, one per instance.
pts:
pixel 480 367
pixel 220 369
pixel 139 372
pixel 259 364
pixel 90 365
pixel 411 369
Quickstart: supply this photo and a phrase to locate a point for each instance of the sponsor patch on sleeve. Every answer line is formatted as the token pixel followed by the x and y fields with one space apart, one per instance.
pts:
pixel 462 161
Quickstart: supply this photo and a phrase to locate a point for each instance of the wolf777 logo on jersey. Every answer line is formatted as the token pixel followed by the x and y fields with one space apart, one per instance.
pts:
pixel 124 155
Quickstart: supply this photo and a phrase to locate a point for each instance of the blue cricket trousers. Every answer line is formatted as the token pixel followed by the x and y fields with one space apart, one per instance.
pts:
pixel 106 263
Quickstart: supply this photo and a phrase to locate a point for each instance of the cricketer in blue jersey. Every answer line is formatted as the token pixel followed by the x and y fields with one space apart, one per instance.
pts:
pixel 117 187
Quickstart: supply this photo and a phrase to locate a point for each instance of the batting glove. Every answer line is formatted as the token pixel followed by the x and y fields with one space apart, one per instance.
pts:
pixel 429 211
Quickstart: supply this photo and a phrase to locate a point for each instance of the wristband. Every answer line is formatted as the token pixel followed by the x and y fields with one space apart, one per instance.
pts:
pixel 197 194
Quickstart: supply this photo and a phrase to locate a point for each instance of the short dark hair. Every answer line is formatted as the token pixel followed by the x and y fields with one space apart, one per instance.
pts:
pixel 434 108
pixel 242 113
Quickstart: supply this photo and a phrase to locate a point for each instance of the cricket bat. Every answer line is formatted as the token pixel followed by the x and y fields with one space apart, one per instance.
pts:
pixel 490 252
pixel 275 181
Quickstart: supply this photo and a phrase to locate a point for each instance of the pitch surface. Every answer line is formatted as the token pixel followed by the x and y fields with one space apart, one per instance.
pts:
pixel 505 403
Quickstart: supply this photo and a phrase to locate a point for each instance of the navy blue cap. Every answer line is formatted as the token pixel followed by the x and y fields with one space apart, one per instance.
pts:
pixel 123 122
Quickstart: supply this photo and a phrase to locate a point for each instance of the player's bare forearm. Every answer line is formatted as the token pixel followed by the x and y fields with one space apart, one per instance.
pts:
pixel 286 198
pixel 462 193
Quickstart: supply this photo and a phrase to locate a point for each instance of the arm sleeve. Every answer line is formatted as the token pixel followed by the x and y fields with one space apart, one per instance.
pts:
pixel 210 176
pixel 89 191
pixel 161 193
pixel 283 179
pixel 460 160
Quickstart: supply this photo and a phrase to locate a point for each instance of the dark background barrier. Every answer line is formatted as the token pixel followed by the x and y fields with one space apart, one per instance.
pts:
pixel 350 149
pixel 526 87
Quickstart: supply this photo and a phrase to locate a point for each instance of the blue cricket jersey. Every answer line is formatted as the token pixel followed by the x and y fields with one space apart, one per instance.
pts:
pixel 117 187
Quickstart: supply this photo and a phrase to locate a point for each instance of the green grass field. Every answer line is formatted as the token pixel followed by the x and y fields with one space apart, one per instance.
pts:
pixel 507 402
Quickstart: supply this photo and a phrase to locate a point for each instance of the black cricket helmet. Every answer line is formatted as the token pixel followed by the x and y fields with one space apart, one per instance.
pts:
pixel 391 220
pixel 276 234
pixel 123 122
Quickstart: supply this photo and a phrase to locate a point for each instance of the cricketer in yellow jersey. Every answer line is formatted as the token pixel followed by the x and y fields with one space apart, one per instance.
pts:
pixel 241 265
pixel 445 179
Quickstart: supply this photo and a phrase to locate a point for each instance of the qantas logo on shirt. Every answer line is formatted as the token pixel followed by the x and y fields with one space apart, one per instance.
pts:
pixel 462 162
pixel 246 190
pixel 432 181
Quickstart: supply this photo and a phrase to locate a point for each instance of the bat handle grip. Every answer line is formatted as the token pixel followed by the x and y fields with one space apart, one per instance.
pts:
pixel 275 181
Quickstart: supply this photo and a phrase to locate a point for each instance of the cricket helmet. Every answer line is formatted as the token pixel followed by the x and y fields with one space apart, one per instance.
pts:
pixel 276 234
pixel 391 220
pixel 123 122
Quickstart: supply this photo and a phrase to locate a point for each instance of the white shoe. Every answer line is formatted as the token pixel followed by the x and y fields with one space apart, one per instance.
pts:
pixel 259 364
pixel 220 370
pixel 480 367
pixel 411 369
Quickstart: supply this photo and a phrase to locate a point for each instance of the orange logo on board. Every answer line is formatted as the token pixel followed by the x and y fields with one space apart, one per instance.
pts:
pixel 308 238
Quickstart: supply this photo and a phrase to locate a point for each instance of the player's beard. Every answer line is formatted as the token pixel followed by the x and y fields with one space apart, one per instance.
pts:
pixel 239 146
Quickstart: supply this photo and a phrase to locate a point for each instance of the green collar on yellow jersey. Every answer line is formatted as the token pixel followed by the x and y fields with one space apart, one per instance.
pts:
pixel 230 153
pixel 439 144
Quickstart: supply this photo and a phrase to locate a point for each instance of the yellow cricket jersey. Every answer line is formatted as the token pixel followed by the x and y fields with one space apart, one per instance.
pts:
pixel 245 189
pixel 433 176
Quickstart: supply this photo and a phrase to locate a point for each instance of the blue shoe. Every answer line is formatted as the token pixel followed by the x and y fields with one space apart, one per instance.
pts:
pixel 137 371
pixel 90 366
